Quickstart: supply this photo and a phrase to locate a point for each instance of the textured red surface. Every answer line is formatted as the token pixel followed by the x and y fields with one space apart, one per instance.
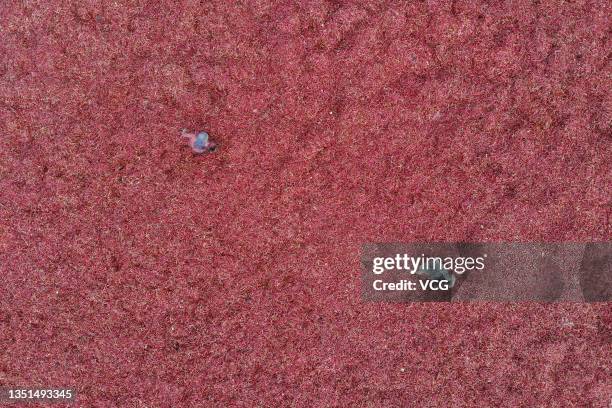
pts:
pixel 145 275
